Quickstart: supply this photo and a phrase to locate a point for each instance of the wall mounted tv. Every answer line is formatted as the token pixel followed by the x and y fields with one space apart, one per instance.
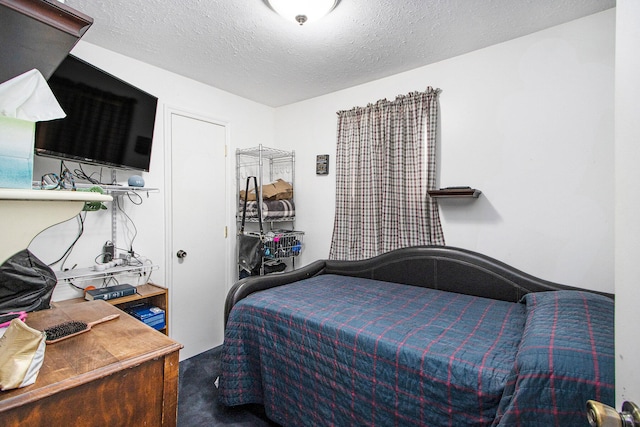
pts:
pixel 109 122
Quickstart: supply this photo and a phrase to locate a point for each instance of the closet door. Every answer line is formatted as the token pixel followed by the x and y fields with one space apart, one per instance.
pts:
pixel 197 243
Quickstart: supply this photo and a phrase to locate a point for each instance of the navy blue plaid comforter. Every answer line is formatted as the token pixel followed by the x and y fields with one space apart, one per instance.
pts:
pixel 335 350
pixel 566 357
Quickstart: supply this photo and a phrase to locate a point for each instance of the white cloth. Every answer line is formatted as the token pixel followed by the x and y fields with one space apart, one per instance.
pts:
pixel 29 97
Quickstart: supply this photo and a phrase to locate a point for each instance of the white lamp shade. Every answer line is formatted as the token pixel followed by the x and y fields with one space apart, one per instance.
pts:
pixel 311 9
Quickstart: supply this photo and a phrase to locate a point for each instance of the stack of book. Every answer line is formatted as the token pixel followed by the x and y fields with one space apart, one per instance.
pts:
pixel 148 314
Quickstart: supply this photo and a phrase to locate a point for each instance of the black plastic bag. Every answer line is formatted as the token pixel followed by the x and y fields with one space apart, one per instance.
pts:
pixel 26 283
pixel 269 268
pixel 251 245
pixel 250 251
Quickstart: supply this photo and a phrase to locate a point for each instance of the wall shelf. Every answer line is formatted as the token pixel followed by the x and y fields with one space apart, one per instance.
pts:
pixel 451 192
pixel 120 189
pixel 116 190
pixel 81 274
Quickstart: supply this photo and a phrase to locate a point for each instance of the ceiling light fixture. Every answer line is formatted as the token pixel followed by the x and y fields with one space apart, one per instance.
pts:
pixel 302 11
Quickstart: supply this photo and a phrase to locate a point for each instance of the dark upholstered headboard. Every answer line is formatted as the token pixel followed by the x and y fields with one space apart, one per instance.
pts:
pixel 438 267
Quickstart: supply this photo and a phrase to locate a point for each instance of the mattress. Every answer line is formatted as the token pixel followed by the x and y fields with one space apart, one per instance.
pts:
pixel 332 350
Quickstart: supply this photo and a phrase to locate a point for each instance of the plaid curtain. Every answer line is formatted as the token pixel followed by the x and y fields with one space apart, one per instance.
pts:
pixel 382 179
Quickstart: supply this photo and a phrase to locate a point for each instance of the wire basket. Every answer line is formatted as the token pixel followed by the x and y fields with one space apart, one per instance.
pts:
pixel 283 244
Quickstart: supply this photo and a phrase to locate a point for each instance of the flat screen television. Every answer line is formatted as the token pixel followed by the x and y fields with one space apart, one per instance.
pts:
pixel 109 122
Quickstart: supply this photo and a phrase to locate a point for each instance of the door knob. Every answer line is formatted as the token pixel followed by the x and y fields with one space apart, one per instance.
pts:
pixel 181 254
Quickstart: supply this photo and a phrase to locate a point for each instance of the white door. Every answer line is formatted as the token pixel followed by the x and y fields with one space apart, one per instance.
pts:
pixel 197 220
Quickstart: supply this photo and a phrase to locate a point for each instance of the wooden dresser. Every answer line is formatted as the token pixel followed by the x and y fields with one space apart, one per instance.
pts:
pixel 120 373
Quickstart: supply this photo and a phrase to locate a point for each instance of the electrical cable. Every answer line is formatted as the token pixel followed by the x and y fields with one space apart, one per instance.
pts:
pixel 75 286
pixel 140 199
pixel 107 280
pixel 135 229
pixel 98 259
pixel 81 174
pixel 66 253
pixel 135 260
pixel 149 279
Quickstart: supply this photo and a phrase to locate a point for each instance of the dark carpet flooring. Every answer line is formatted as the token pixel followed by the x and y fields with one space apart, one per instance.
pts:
pixel 198 397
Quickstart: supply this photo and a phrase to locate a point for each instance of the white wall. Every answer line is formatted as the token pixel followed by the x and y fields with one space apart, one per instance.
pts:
pixel 627 205
pixel 250 123
pixel 529 122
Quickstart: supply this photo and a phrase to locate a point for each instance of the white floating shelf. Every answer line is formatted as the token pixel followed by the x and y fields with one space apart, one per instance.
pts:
pixel 80 274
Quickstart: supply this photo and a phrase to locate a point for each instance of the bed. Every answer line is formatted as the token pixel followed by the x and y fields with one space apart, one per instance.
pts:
pixel 431 335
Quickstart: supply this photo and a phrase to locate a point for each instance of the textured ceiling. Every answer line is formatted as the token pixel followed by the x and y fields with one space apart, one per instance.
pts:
pixel 243 47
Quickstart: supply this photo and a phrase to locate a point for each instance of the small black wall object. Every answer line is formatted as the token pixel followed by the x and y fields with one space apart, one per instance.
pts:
pixel 322 164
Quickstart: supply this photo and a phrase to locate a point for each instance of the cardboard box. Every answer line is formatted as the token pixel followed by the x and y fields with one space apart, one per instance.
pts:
pixel 278 190
pixel 16 152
